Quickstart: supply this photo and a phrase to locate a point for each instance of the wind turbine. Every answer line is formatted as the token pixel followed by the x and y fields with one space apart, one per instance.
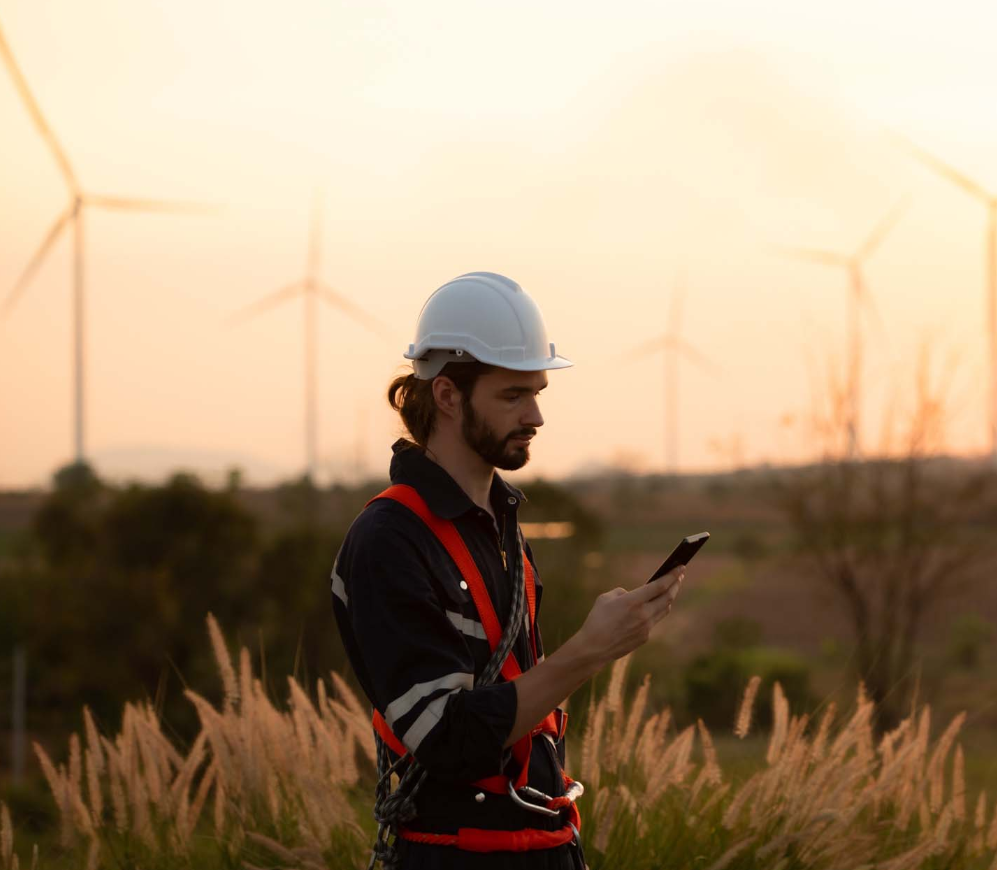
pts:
pixel 312 288
pixel 71 215
pixel 989 199
pixel 673 345
pixel 859 295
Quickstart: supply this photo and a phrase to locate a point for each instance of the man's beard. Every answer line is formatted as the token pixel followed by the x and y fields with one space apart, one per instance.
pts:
pixel 483 440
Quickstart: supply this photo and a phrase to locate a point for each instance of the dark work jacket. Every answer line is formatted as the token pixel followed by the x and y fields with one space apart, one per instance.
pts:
pixel 415 641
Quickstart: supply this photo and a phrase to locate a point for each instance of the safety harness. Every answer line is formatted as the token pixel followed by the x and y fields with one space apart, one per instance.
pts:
pixel 389 812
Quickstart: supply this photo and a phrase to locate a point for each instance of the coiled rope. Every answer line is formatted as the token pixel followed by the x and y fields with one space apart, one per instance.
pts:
pixel 395 808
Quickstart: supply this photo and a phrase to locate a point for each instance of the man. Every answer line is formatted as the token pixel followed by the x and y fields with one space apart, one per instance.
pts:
pixel 436 596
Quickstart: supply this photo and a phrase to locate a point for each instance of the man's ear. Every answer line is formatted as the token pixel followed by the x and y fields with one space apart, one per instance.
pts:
pixel 446 396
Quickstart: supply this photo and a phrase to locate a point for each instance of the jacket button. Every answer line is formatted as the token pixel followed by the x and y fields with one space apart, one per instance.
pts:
pixel 512 499
pixel 463 584
pixel 480 797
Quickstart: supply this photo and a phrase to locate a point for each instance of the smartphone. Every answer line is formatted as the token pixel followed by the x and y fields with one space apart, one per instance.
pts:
pixel 682 554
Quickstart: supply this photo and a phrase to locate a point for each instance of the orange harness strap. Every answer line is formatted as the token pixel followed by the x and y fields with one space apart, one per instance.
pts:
pixel 555 723
pixel 484 840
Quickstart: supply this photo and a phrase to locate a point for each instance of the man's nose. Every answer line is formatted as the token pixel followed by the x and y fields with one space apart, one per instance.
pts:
pixel 532 415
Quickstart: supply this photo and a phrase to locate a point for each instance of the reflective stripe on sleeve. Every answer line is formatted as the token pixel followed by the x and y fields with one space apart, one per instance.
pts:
pixel 425 722
pixel 403 703
pixel 338 587
pixel 470 627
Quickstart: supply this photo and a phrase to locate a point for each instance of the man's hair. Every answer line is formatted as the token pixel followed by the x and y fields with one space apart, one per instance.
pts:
pixel 412 397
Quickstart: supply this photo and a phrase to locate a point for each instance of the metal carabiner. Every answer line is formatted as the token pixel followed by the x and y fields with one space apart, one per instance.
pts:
pixel 575 791
pixel 526 805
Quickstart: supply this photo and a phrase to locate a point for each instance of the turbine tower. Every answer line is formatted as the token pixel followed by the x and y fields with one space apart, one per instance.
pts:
pixel 858 296
pixel 312 288
pixel 989 199
pixel 72 215
pixel 673 346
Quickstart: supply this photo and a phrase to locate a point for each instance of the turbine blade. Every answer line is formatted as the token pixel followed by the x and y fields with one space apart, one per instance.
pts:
pixel 123 203
pixel 647 347
pixel 50 239
pixel 333 297
pixel 21 85
pixel 265 304
pixel 698 358
pixel 942 168
pixel 884 228
pixel 812 255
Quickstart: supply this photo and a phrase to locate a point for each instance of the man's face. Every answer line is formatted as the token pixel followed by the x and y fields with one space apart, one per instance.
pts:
pixel 501 415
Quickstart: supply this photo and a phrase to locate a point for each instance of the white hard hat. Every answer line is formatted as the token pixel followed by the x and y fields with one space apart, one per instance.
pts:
pixel 486 317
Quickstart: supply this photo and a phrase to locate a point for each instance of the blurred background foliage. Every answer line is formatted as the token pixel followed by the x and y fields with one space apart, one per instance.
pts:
pixel 106 586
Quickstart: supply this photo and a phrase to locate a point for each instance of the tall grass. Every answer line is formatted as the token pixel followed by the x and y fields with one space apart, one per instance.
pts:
pixel 267 787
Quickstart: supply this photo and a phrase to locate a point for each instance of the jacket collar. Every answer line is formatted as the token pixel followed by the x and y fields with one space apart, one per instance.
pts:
pixel 443 495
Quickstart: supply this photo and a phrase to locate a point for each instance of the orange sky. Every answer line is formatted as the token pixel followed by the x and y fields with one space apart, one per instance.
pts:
pixel 591 152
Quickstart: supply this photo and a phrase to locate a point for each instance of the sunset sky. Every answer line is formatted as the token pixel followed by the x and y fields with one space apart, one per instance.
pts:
pixel 592 152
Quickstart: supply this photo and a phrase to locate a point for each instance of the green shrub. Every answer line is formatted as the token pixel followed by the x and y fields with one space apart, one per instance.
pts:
pixel 715 681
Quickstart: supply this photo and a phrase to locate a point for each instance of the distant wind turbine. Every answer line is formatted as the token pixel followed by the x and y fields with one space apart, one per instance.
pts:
pixel 673 345
pixel 859 295
pixel 312 288
pixel 72 214
pixel 989 199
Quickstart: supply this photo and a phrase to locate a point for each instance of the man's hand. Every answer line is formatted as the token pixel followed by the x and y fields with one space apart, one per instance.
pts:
pixel 620 621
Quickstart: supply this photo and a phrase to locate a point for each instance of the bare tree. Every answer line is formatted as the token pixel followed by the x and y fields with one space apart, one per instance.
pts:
pixel 892 536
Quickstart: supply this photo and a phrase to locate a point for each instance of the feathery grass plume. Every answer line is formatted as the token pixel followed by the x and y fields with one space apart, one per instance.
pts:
pixel 959 784
pixel 591 741
pixel 181 784
pixel 923 729
pixel 224 662
pixel 606 819
pixel 75 763
pixel 672 767
pixel 93 788
pixel 614 710
pixel 724 860
pixel 820 739
pixel 645 747
pixel 628 742
pixel 743 722
pixel 978 842
pixel 59 787
pixel 709 753
pixel 936 763
pixel 780 718
pixel 718 795
pixel 862 696
pixel 942 828
pixel 654 748
pixel 93 739
pixel 203 788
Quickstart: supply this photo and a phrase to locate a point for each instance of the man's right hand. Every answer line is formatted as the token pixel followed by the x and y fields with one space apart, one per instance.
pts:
pixel 620 621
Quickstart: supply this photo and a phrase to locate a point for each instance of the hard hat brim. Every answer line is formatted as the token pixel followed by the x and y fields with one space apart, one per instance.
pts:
pixel 432 363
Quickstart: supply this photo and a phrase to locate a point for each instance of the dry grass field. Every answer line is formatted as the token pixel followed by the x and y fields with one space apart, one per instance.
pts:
pixel 284 786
